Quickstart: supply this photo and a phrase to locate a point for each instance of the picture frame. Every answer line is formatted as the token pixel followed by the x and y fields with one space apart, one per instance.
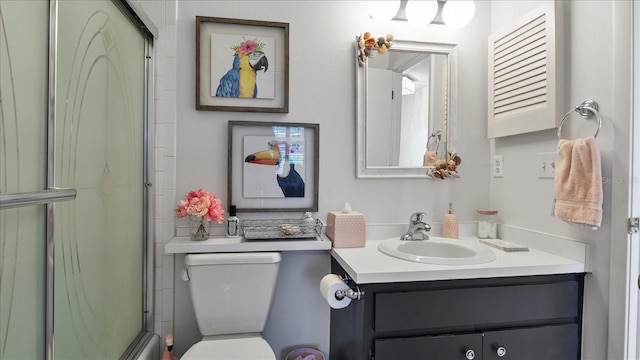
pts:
pixel 273 166
pixel 259 50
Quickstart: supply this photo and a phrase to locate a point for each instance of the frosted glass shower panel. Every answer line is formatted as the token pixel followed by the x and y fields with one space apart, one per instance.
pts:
pixel 100 91
pixel 23 157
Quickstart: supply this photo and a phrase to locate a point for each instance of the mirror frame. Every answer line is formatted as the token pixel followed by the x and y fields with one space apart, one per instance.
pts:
pixel 362 170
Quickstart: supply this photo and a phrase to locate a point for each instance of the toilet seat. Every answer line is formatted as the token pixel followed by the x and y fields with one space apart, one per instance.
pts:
pixel 231 349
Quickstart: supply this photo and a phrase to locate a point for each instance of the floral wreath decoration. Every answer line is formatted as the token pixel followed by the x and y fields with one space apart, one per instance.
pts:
pixel 446 167
pixel 367 44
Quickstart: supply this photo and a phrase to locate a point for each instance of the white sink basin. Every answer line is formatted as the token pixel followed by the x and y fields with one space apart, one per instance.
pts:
pixel 438 250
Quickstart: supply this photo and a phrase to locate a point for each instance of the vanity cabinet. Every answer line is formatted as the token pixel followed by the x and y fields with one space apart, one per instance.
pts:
pixel 528 317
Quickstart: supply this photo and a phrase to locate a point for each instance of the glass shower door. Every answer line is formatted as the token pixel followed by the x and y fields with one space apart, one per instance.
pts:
pixel 72 126
pixel 99 152
pixel 23 169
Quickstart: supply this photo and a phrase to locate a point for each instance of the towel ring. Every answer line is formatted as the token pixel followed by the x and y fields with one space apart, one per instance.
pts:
pixel 436 135
pixel 586 109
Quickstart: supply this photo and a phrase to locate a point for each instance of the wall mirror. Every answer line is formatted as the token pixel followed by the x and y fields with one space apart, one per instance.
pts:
pixel 406 102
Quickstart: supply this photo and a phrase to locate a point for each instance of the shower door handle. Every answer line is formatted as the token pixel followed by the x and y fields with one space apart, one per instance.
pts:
pixel 10 201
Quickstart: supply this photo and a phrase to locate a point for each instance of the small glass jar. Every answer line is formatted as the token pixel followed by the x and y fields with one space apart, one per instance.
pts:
pixel 487 227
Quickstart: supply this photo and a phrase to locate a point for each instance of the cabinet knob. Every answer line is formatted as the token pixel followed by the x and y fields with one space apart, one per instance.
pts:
pixel 470 354
pixel 501 351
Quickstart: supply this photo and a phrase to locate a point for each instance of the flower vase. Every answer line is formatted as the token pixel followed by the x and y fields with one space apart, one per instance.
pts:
pixel 198 228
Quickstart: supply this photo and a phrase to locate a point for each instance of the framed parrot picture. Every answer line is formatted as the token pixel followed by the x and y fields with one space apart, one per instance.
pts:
pixel 242 65
pixel 273 166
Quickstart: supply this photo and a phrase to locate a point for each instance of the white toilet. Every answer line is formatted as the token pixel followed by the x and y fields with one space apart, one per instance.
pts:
pixel 231 295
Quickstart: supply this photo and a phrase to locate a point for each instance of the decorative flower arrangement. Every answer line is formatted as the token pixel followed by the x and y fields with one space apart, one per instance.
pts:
pixel 249 47
pixel 203 204
pixel 446 167
pixel 367 44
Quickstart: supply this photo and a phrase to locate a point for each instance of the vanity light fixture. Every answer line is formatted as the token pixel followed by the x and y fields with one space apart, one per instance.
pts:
pixel 421 13
pixel 458 13
pixel 453 13
pixel 383 11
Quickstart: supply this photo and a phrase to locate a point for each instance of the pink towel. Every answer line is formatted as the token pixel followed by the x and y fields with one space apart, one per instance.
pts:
pixel 577 187
pixel 430 158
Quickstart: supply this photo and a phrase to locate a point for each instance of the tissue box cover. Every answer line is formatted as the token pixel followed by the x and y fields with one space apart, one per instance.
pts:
pixel 346 229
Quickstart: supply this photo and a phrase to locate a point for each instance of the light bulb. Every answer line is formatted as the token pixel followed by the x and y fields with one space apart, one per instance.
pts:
pixel 383 10
pixel 421 12
pixel 458 13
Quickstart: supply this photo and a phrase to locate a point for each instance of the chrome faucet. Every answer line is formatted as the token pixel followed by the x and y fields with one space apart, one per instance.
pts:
pixel 417 228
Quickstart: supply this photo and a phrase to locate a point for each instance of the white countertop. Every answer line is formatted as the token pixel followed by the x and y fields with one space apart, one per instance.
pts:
pixel 184 245
pixel 369 265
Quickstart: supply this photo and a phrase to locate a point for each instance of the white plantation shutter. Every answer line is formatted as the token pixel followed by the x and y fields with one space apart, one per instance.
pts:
pixel 524 77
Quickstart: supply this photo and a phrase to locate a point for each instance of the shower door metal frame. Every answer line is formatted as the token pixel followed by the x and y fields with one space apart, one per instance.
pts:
pixel 53 194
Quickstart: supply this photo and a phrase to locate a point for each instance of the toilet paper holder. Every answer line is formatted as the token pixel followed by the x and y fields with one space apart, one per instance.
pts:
pixel 352 294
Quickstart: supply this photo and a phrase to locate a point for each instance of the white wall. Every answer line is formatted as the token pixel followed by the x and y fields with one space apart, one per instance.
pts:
pixel 191 145
pixel 591 63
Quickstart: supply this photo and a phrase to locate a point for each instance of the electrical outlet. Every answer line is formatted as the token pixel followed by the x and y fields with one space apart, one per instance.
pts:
pixel 546 165
pixel 497 166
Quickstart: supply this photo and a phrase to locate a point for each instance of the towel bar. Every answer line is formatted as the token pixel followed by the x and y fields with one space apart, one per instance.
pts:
pixel 586 109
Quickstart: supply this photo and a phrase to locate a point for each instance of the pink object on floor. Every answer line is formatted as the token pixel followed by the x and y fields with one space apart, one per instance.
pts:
pixel 168 346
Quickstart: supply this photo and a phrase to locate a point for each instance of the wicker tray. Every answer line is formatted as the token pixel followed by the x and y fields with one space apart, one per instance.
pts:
pixel 280 229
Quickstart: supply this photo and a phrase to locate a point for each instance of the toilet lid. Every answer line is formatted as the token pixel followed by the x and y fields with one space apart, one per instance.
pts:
pixel 231 349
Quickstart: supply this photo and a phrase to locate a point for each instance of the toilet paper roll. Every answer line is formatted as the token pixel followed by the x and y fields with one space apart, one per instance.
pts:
pixel 329 284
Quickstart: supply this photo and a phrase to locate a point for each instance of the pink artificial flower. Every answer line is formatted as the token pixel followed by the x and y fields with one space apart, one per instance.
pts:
pixel 201 203
pixel 215 212
pixel 199 206
pixel 181 211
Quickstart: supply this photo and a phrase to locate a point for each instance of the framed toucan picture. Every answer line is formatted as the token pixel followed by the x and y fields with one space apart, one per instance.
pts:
pixel 242 65
pixel 273 166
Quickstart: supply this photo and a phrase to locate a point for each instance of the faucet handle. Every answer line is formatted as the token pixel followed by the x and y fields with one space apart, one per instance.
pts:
pixel 416 217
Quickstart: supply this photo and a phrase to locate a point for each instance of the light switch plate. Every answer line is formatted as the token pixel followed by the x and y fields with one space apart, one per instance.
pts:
pixel 546 165
pixel 497 166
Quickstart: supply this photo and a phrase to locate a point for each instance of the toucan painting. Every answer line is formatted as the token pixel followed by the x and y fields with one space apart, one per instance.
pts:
pixel 278 153
pixel 240 80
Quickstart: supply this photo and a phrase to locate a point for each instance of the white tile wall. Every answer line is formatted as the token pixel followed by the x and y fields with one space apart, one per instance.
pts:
pixel 163 14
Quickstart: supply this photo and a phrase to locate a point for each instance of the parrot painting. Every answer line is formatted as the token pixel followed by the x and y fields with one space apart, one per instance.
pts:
pixel 277 154
pixel 240 80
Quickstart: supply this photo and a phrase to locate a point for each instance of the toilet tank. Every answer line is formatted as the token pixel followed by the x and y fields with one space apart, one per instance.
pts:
pixel 232 292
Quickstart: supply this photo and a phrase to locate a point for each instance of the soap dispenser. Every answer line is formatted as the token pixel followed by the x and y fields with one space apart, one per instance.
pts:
pixel 450 224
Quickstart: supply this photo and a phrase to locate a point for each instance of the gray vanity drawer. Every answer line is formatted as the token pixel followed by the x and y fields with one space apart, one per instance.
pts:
pixel 442 347
pixel 557 342
pixel 476 306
